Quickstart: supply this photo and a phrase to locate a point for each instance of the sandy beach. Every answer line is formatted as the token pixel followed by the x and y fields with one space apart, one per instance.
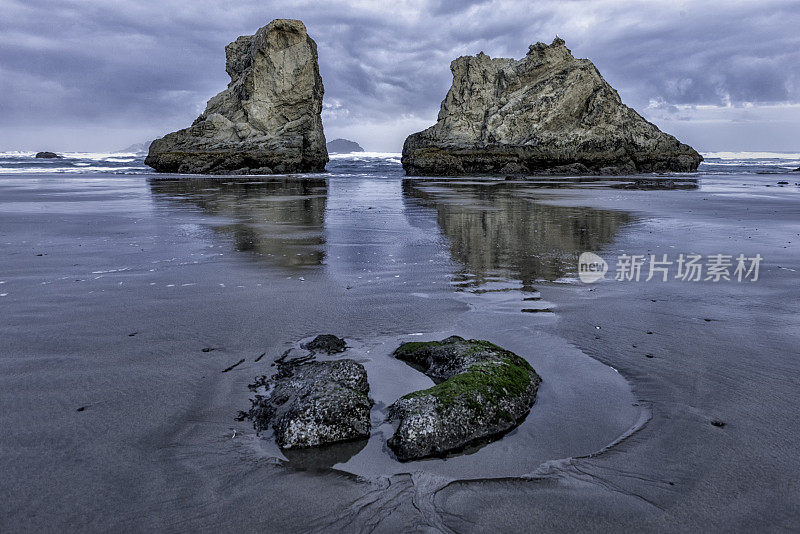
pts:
pixel 664 405
pixel 411 267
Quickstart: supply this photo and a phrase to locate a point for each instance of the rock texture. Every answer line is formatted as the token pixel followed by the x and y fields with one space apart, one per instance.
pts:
pixel 483 392
pixel 47 155
pixel 547 113
pixel 343 146
pixel 313 403
pixel 267 120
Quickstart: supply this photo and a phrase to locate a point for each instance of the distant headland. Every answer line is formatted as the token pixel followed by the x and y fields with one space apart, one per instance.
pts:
pixel 343 146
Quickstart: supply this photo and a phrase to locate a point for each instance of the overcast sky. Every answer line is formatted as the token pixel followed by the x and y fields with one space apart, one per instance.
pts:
pixel 102 74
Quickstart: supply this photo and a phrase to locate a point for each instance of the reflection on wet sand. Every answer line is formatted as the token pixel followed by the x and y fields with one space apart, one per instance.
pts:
pixel 496 229
pixel 655 184
pixel 280 219
pixel 324 457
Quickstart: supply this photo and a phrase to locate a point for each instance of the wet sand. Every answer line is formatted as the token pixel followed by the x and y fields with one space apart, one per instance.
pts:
pixel 114 338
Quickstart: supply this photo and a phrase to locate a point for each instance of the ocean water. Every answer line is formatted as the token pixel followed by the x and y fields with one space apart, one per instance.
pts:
pixel 379 163
pixel 22 162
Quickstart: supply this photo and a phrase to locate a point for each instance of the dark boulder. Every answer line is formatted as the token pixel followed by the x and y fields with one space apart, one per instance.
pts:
pixel 313 403
pixel 47 155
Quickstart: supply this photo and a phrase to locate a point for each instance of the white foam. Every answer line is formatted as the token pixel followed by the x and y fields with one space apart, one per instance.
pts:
pixel 751 155
pixel 98 156
pixel 16 154
pixel 67 170
pixel 367 155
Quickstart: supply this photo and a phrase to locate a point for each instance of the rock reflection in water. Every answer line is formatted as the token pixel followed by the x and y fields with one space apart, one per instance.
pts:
pixel 658 183
pixel 496 229
pixel 279 218
pixel 324 457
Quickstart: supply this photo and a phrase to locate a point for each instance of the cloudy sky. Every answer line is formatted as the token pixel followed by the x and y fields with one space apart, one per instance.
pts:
pixel 102 74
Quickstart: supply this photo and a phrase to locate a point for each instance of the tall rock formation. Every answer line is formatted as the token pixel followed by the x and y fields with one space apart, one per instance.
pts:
pixel 545 113
pixel 267 120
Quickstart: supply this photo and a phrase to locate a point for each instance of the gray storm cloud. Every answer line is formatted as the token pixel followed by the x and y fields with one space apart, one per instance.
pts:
pixel 99 75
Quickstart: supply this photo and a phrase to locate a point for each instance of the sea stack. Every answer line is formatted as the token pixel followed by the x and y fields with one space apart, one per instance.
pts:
pixel 268 119
pixel 547 113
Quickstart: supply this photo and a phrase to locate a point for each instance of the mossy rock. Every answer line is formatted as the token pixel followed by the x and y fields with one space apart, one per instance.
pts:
pixel 493 379
pixel 483 392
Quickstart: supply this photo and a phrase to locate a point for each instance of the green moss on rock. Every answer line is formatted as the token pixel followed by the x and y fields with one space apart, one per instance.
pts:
pixel 412 348
pixel 493 379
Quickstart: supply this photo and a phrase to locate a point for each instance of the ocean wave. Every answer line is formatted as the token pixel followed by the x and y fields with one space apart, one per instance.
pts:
pixel 22 162
pixel 74 170
pixel 787 163
pixel 96 156
pixel 751 156
pixel 366 155
pixel 17 154
pixel 99 156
